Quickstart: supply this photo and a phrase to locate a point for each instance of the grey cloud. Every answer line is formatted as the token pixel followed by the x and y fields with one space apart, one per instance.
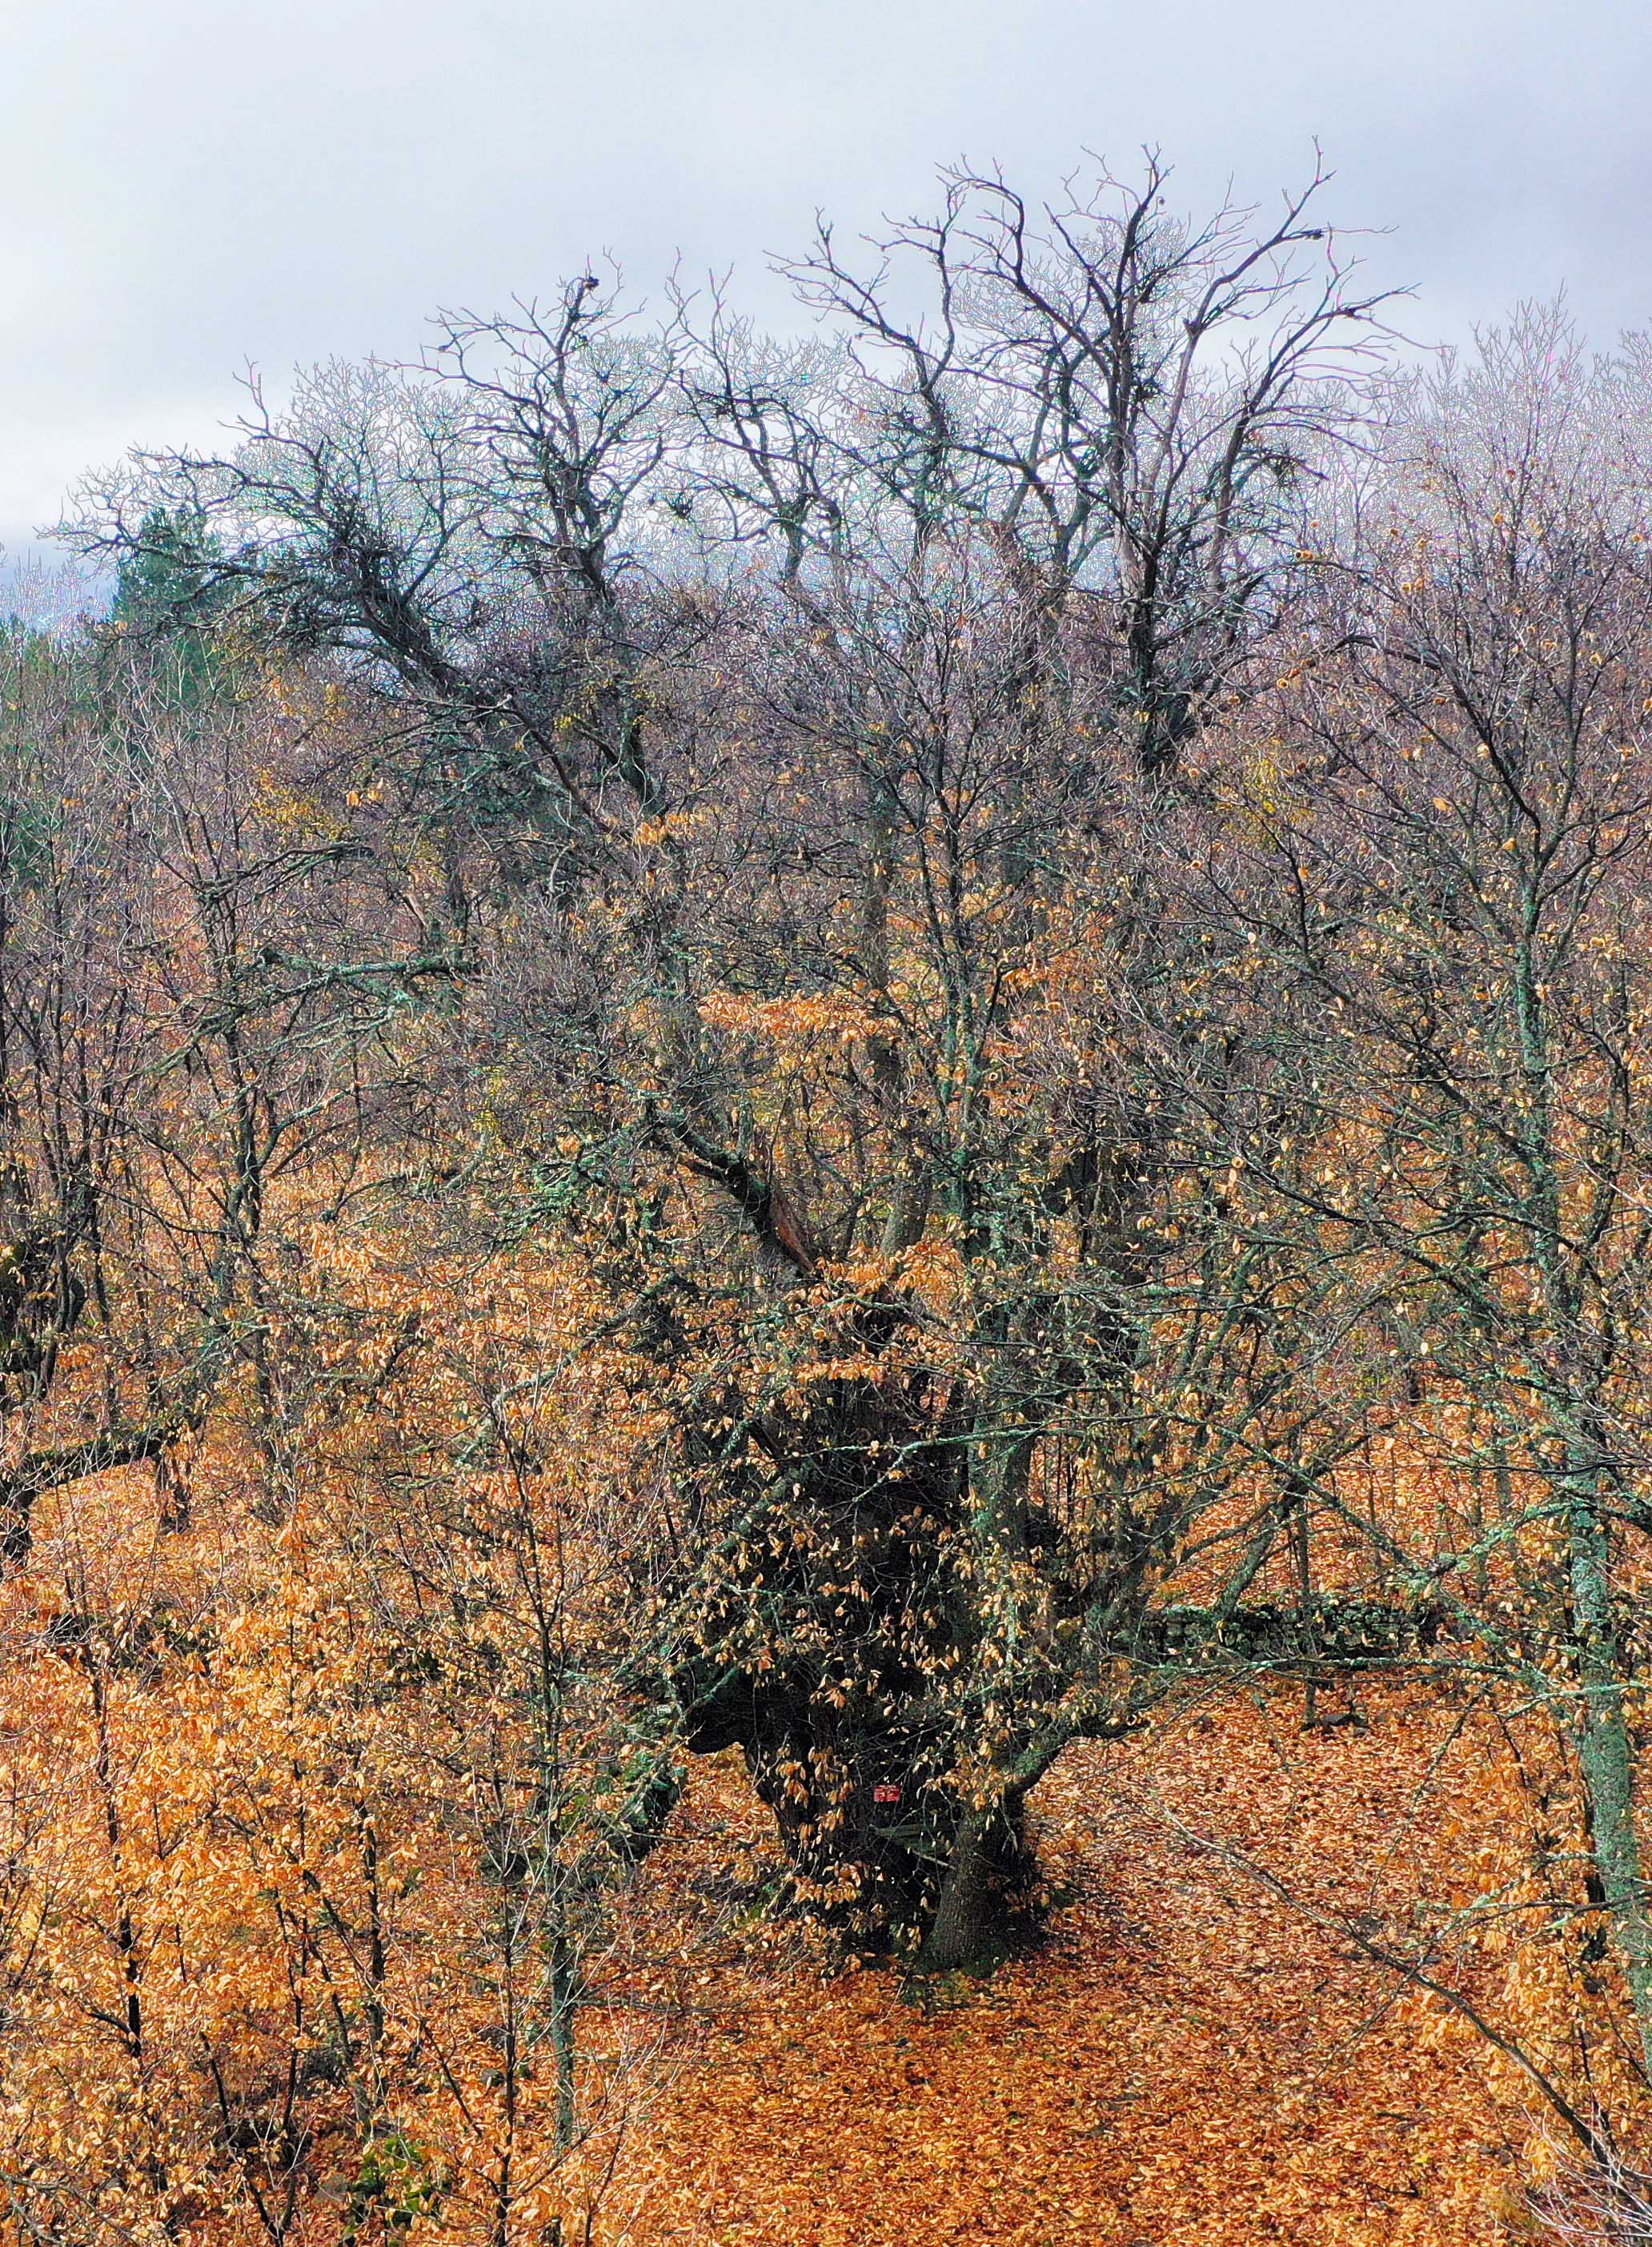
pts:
pixel 193 183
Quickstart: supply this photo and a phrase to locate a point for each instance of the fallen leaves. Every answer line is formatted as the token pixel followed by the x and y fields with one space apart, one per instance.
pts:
pixel 1186 2064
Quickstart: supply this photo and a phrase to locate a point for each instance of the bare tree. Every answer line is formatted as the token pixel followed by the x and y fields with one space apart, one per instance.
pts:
pixel 1452 874
pixel 898 798
pixel 1134 407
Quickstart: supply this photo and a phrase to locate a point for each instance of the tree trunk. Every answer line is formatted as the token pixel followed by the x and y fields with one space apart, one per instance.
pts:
pixel 1606 1751
pixel 983 1900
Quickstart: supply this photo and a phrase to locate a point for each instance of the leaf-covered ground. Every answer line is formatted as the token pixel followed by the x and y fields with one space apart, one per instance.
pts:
pixel 1190 2062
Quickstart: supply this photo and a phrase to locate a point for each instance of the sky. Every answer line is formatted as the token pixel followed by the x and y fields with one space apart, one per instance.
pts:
pixel 194 185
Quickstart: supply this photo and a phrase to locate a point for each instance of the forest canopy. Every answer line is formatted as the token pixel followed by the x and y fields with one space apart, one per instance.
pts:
pixel 854 1062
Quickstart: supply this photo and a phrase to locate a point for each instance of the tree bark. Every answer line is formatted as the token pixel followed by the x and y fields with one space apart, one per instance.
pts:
pixel 1606 1751
pixel 983 1898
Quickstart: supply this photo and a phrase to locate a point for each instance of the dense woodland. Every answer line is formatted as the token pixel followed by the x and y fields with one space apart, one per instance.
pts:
pixel 826 1186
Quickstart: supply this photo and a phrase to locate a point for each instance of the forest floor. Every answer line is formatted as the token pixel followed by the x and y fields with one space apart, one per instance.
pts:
pixel 1190 2061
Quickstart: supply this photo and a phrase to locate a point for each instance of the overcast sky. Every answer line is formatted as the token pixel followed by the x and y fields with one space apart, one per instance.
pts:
pixel 192 184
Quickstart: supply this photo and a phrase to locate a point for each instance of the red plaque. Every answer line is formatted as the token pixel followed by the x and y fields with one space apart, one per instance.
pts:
pixel 885 1794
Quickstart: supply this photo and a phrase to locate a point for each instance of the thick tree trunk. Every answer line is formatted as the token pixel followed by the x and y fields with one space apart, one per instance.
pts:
pixel 854 1811
pixel 876 1845
pixel 983 1901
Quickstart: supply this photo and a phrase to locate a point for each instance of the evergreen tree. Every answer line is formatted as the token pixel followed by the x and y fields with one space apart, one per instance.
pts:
pixel 169 600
